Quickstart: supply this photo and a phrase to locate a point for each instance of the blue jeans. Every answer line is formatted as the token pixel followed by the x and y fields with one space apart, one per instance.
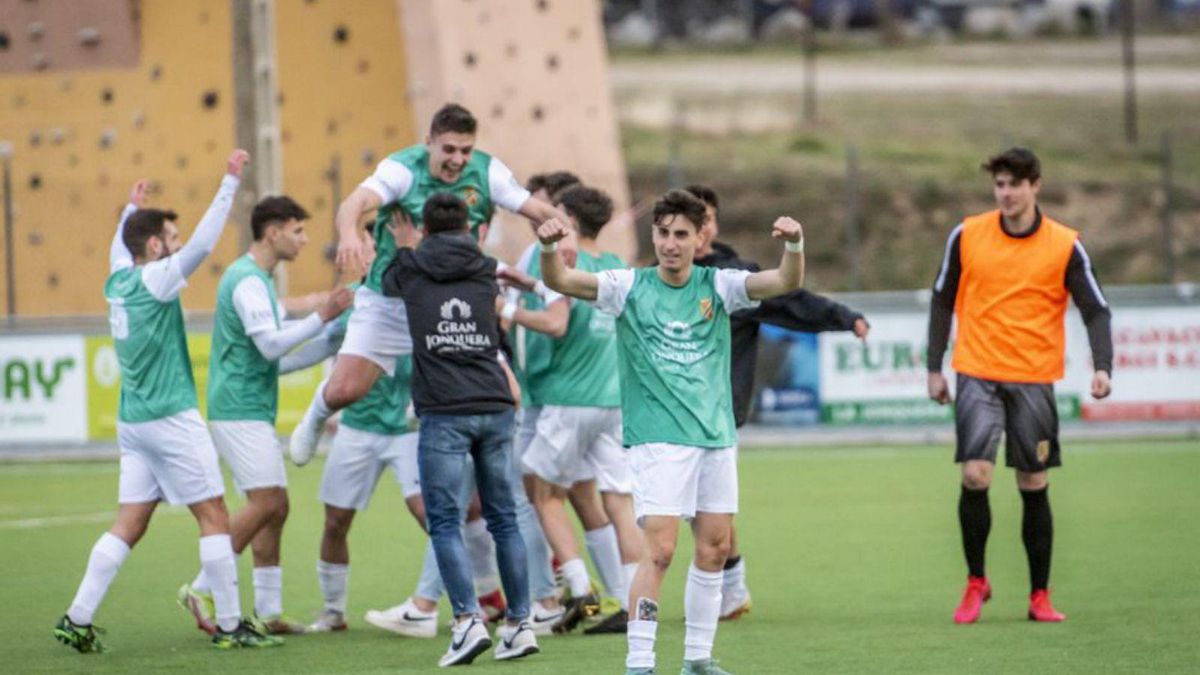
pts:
pixel 442 451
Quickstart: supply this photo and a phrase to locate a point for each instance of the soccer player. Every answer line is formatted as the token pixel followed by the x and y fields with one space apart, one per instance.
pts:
pixel 799 310
pixel 676 405
pixel 378 330
pixel 379 438
pixel 1008 274
pixel 249 338
pixel 166 453
pixel 462 394
pixel 577 444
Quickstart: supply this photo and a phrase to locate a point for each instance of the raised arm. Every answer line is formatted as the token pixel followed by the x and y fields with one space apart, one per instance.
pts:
pixel 565 280
pixel 204 239
pixel 552 320
pixel 119 256
pixel 790 274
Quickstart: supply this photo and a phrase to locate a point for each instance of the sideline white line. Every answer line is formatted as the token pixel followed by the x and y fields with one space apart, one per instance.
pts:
pixel 77 519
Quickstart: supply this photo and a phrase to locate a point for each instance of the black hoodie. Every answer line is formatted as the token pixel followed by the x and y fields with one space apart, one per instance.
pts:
pixel 449 288
pixel 799 310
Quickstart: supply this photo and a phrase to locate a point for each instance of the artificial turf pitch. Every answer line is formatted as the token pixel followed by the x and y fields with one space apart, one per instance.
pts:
pixel 853 558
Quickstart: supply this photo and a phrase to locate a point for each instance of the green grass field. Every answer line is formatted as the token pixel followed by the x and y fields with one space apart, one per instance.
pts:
pixel 853 558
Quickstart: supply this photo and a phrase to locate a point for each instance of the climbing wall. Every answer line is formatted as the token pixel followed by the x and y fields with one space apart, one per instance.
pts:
pixel 156 101
pixel 95 95
pixel 535 73
pixel 343 107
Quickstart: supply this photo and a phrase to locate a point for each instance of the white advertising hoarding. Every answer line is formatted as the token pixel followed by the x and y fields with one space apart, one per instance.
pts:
pixel 42 389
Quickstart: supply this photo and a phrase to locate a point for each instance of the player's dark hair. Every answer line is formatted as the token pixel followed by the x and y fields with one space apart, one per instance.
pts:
pixel 591 208
pixel 454 118
pixel 1020 162
pixel 142 226
pixel 444 212
pixel 679 203
pixel 705 194
pixel 274 210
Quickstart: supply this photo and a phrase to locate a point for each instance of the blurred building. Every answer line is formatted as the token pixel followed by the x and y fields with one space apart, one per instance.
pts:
pixel 95 95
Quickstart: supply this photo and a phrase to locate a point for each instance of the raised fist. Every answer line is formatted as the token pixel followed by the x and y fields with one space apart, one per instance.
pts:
pixel 137 195
pixel 787 229
pixel 237 160
pixel 552 231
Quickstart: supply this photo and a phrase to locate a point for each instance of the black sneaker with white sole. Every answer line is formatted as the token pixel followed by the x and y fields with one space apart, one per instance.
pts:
pixel 468 639
pixel 576 610
pixel 617 622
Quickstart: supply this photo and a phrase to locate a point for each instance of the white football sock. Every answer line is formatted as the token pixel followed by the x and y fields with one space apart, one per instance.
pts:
pixel 577 578
pixel 630 571
pixel 482 551
pixel 219 566
pixel 318 412
pixel 606 556
pixel 268 591
pixel 201 584
pixel 333 578
pixel 735 577
pixel 106 558
pixel 701 610
pixel 640 639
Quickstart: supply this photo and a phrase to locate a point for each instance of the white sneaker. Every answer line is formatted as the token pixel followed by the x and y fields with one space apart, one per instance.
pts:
pixel 405 619
pixel 513 642
pixel 329 621
pixel 468 639
pixel 735 601
pixel 541 620
pixel 302 446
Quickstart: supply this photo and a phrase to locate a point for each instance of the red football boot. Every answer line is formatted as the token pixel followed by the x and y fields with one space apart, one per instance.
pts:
pixel 978 592
pixel 1040 608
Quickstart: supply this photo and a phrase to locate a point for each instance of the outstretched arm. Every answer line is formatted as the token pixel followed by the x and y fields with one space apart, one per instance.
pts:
pixel 790 273
pixel 565 280
pixel 325 345
pixel 808 312
pixel 119 256
pixel 204 239
pixel 253 305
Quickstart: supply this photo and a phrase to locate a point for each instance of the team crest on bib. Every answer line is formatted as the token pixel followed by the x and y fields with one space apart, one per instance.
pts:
pixel 706 308
pixel 1043 451
pixel 470 195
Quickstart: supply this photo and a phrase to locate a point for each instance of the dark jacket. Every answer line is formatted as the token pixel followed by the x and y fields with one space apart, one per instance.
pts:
pixel 799 310
pixel 449 288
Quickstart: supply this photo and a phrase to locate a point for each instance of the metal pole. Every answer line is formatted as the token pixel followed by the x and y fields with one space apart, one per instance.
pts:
pixel 10 271
pixel 810 74
pixel 853 238
pixel 675 177
pixel 1131 125
pixel 1168 225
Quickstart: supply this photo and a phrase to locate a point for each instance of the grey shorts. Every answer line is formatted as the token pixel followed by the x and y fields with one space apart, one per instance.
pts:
pixel 1024 413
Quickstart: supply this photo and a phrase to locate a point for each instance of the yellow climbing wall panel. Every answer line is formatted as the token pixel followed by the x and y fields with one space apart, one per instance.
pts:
pixel 535 73
pixel 81 137
pixel 342 79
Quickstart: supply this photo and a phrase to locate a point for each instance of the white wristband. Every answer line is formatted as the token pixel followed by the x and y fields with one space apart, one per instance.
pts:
pixel 550 248
pixel 507 311
pixel 540 289
pixel 794 246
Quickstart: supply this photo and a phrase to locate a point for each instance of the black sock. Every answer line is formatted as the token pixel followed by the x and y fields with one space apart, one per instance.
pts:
pixel 1037 530
pixel 732 561
pixel 975 519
